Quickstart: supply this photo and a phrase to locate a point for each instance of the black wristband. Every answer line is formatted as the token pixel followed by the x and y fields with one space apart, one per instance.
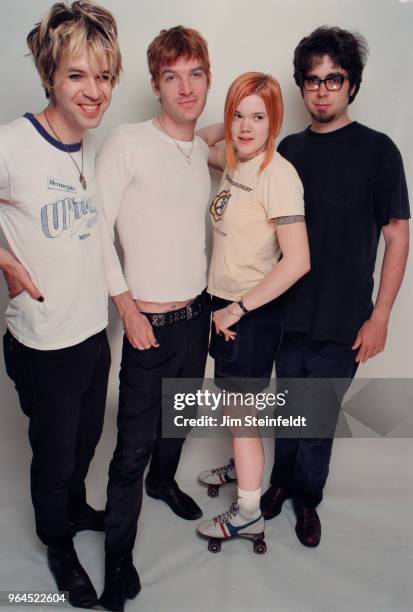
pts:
pixel 241 305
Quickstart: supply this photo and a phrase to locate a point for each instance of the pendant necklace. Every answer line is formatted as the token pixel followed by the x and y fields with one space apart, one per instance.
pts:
pixel 81 175
pixel 186 155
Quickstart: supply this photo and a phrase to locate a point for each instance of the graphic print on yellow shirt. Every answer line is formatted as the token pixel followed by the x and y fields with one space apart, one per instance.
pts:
pixel 219 204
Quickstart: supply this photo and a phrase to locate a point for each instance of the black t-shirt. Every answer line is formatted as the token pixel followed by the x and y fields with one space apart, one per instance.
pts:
pixel 354 183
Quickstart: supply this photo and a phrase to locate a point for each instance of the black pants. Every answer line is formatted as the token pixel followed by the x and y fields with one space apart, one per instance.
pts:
pixel 182 354
pixel 63 392
pixel 301 465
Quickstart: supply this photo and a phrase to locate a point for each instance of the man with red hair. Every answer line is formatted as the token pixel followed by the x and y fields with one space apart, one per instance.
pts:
pixel 154 185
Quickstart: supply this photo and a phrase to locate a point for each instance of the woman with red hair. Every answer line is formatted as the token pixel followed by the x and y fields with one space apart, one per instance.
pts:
pixel 259 250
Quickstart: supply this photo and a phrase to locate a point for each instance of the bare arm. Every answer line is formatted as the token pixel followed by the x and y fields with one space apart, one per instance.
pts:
pixel 17 277
pixel 295 263
pixel 212 134
pixel 371 337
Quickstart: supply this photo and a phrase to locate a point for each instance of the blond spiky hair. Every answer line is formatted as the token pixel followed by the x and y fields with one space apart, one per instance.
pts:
pixel 66 29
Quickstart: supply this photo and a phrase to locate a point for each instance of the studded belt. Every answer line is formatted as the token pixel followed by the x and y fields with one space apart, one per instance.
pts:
pixel 187 313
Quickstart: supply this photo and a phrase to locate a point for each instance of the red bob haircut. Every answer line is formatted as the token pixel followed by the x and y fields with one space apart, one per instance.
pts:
pixel 172 44
pixel 265 86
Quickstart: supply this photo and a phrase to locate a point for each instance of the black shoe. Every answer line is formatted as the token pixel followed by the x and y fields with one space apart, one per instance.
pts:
pixel 121 583
pixel 92 520
pixel 308 526
pixel 272 501
pixel 178 501
pixel 70 576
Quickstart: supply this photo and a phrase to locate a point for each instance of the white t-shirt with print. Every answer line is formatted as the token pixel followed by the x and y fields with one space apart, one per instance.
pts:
pixel 50 224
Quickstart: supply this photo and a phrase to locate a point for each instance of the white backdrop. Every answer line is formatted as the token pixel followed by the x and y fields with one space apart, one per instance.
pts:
pixel 242 35
pixel 246 35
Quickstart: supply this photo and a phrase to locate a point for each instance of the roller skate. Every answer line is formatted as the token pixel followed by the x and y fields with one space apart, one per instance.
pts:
pixel 217 477
pixel 232 524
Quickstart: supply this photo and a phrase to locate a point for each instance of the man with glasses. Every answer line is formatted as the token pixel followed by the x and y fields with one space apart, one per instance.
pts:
pixel 354 189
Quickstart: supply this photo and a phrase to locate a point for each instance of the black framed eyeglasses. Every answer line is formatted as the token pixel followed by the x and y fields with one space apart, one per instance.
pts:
pixel 332 83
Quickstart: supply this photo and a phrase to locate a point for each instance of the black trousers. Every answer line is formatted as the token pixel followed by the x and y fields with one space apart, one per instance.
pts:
pixel 63 392
pixel 301 465
pixel 182 354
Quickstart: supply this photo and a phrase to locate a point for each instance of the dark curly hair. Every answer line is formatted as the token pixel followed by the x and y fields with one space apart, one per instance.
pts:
pixel 347 50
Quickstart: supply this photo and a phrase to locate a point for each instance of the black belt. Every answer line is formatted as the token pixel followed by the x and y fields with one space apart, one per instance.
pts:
pixel 187 313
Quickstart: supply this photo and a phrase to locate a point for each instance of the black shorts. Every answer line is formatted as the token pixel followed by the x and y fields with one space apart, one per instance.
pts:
pixel 245 364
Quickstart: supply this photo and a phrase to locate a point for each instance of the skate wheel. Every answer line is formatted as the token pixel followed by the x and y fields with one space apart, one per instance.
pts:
pixel 213 490
pixel 260 548
pixel 214 546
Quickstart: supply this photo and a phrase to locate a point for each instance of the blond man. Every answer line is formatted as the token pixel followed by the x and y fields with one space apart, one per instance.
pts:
pixel 56 350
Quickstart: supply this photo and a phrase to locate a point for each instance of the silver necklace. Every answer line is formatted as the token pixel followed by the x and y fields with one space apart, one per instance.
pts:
pixel 186 155
pixel 81 175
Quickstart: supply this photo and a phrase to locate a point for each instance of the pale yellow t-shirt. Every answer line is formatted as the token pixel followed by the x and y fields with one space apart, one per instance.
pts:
pixel 244 227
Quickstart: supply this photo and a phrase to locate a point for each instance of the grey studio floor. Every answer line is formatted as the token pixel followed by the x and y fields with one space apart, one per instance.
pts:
pixel 364 562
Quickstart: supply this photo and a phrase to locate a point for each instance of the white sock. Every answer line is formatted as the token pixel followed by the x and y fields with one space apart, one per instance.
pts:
pixel 249 502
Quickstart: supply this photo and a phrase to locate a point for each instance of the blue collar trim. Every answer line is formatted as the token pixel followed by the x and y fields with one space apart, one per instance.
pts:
pixel 71 148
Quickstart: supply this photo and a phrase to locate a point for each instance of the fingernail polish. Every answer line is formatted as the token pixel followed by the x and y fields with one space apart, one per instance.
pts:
pixel 40 299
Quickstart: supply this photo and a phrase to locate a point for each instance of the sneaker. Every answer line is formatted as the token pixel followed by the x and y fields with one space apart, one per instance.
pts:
pixel 231 523
pixel 220 475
